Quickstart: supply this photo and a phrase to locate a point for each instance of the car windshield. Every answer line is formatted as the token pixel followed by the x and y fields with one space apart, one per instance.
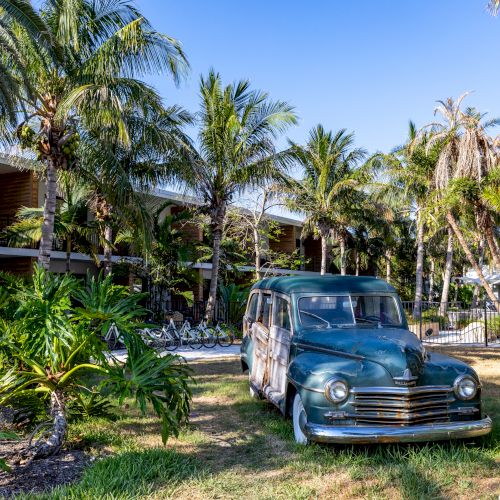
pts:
pixel 325 311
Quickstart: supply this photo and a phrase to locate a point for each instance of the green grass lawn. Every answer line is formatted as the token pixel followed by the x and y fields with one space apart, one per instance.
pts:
pixel 239 448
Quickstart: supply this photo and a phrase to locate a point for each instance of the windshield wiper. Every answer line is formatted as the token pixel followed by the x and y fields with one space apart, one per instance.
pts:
pixel 371 321
pixel 307 313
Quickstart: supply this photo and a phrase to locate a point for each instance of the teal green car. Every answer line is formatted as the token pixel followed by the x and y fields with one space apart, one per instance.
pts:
pixel 335 353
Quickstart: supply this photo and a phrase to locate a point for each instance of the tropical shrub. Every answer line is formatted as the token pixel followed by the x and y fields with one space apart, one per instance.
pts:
pixel 234 300
pixel 52 345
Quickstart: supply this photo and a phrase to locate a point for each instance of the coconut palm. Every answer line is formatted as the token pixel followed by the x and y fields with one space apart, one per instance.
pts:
pixel 467 158
pixel 410 169
pixel 74 66
pixel 236 151
pixel 70 222
pixel 328 188
pixel 119 177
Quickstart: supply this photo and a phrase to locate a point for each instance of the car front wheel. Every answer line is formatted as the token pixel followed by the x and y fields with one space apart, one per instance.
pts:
pixel 299 418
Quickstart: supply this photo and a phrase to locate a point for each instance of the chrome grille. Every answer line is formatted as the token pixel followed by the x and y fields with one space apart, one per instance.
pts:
pixel 402 405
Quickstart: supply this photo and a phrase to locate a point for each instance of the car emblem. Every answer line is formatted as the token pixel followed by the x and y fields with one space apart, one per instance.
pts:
pixel 408 379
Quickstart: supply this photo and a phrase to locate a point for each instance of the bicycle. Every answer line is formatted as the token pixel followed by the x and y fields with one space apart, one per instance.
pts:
pixel 206 334
pixel 224 335
pixel 188 335
pixel 113 337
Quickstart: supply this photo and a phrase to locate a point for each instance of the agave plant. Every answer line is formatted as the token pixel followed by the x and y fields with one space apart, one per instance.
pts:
pixel 53 346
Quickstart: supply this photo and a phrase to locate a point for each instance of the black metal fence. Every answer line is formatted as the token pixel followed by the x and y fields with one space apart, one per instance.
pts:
pixel 180 310
pixel 454 323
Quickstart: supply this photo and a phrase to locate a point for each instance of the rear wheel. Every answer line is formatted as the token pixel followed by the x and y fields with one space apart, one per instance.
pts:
pixel 225 337
pixel 194 339
pixel 208 337
pixel 299 418
pixel 171 344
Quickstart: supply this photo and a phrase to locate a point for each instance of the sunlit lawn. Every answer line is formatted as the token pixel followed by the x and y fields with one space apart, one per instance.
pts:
pixel 239 448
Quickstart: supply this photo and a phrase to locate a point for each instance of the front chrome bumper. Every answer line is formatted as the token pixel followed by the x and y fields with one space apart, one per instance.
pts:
pixel 404 434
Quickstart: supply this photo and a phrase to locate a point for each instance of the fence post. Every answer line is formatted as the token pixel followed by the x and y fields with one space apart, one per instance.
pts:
pixel 485 324
pixel 420 320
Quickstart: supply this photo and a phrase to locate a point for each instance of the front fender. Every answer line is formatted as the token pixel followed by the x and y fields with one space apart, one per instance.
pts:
pixel 309 372
pixel 440 369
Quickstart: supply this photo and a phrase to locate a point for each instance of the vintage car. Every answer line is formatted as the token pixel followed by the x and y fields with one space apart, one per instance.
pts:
pixel 335 353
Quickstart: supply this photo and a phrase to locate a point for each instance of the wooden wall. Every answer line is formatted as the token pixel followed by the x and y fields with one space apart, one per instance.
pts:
pixel 312 254
pixel 287 240
pixel 17 189
pixel 191 231
pixel 17 265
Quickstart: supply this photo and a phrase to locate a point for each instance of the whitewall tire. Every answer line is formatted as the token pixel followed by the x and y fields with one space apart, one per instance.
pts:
pixel 299 418
pixel 253 393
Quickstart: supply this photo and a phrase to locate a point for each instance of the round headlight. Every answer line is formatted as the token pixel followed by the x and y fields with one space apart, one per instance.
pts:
pixel 465 387
pixel 336 390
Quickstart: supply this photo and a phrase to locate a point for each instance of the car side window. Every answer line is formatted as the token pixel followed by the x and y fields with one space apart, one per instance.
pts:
pixel 281 314
pixel 265 309
pixel 252 307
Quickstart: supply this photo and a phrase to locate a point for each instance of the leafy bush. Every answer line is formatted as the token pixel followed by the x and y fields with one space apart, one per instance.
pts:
pixel 90 404
pixel 53 343
pixel 234 299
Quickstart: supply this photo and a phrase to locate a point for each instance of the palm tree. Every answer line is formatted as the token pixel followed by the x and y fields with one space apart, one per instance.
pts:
pixel 119 177
pixel 466 159
pixel 235 151
pixel 70 222
pixel 410 169
pixel 448 269
pixel 330 181
pixel 73 67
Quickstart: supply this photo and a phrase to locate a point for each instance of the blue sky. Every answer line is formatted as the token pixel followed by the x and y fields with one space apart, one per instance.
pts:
pixel 368 66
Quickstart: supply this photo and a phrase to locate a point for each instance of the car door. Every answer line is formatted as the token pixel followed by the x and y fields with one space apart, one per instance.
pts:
pixel 280 336
pixel 260 337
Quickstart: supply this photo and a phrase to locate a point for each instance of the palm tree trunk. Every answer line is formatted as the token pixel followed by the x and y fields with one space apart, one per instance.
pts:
pixel 475 293
pixel 443 306
pixel 357 259
pixel 54 442
pixel 388 265
pixel 485 224
pixel 343 265
pixel 419 274
pixel 216 224
pixel 431 277
pixel 49 211
pixel 108 250
pixel 324 252
pixel 256 244
pixel 465 247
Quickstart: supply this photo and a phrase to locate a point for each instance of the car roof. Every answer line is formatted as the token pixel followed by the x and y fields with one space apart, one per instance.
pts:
pixel 324 284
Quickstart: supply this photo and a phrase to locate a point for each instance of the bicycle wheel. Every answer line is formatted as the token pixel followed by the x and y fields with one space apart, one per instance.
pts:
pixel 111 341
pixel 171 344
pixel 194 339
pixel 225 337
pixel 209 338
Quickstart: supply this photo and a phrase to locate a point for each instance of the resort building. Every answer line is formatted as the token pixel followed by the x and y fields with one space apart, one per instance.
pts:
pixel 20 185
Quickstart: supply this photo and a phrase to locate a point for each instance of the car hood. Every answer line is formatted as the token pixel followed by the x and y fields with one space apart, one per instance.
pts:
pixel 395 349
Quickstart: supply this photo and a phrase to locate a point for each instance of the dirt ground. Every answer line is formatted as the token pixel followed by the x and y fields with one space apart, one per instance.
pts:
pixel 40 474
